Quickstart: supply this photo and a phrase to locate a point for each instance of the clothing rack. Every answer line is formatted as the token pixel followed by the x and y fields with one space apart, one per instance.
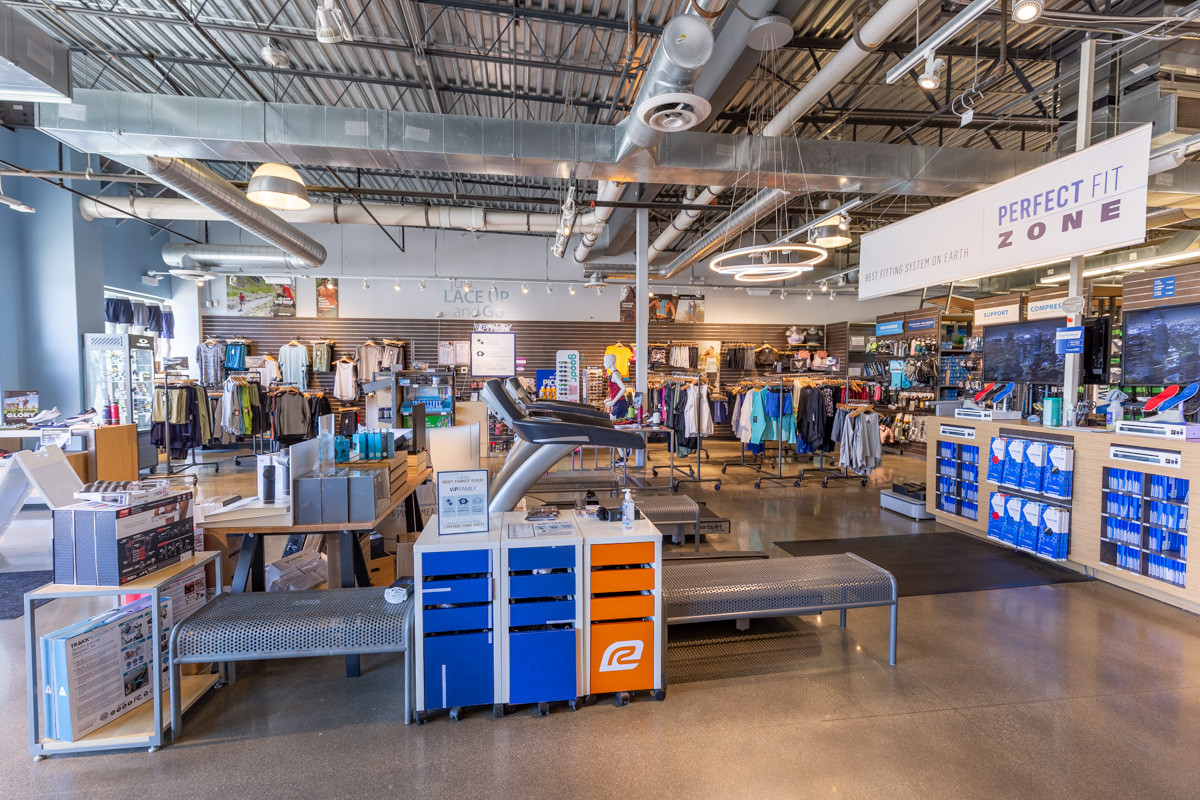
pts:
pixel 757 467
pixel 854 408
pixel 693 475
pixel 258 441
pixel 179 380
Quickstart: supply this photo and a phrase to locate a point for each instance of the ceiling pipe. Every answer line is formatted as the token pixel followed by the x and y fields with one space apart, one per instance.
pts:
pixel 196 181
pixel 387 214
pixel 683 220
pixel 872 33
pixel 235 256
pixel 608 191
pixel 1170 216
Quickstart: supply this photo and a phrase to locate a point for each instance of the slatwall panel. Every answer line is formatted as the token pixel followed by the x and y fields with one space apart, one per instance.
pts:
pixel 837 344
pixel 1138 292
pixel 1003 300
pixel 897 316
pixel 1040 295
pixel 920 315
pixel 537 342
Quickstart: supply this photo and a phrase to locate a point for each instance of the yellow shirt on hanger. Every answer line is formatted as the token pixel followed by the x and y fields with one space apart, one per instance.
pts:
pixel 622 354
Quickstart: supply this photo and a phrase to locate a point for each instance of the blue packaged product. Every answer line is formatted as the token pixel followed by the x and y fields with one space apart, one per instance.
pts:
pixel 996 515
pixel 1060 471
pixel 1031 524
pixel 1013 518
pixel 995 462
pixel 1034 467
pixel 1014 460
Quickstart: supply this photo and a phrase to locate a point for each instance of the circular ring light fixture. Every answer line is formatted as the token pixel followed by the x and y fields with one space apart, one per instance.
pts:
pixel 742 269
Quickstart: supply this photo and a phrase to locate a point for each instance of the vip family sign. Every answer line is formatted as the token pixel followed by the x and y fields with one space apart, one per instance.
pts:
pixel 1087 202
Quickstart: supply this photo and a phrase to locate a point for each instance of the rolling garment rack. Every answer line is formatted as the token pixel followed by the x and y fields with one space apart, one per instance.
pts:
pixel 833 475
pixel 258 443
pixel 778 475
pixel 693 476
pixel 179 380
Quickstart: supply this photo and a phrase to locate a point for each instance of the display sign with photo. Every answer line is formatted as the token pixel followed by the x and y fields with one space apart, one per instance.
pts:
pixel 689 309
pixel 19 406
pixel 249 296
pixel 629 304
pixel 662 307
pixel 327 298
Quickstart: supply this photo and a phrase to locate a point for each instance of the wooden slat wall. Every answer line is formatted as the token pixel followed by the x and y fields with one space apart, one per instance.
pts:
pixel 1138 291
pixel 1002 300
pixel 1039 295
pixel 837 343
pixel 537 342
pixel 899 315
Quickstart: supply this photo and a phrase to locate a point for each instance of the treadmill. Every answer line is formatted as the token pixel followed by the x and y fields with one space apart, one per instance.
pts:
pixel 544 440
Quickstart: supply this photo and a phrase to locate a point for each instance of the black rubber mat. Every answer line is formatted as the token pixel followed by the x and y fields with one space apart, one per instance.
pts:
pixel 943 563
pixel 14 585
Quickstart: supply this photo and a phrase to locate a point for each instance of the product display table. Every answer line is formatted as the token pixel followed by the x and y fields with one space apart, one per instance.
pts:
pixel 250 571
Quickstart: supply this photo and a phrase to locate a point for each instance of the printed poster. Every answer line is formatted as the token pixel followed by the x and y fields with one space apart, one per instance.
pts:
pixel 629 305
pixel 251 296
pixel 689 309
pixel 662 307
pixel 327 298
pixel 19 406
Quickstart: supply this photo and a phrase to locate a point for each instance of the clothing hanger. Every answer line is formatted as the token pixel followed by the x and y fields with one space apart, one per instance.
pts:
pixel 295 342
pixel 370 343
pixel 209 342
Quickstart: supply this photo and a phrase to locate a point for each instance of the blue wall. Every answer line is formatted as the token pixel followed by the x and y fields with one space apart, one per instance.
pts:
pixel 54 267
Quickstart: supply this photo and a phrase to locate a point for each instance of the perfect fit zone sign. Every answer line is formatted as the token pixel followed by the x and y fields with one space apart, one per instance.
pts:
pixel 1087 202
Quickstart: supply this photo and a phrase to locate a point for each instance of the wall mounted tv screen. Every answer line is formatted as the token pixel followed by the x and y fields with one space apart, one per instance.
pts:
pixel 1162 346
pixel 1022 352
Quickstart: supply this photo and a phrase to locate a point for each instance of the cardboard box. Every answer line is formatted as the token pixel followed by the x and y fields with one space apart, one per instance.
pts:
pixel 96 544
pixel 382 571
pixel 299 571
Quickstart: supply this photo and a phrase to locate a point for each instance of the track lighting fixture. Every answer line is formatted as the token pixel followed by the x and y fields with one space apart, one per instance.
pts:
pixel 824 286
pixel 366 284
pixel 809 295
pixel 782 294
pixel 931 78
pixel 1026 11
pixel 422 285
pixel 466 286
pixel 396 285
pixel 524 288
pixel 549 288
pixel 571 289
pixel 841 280
pixel 332 26
pixel 832 295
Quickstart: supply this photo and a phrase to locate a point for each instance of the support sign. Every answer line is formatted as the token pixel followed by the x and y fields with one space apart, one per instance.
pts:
pixel 1089 201
pixel 566 368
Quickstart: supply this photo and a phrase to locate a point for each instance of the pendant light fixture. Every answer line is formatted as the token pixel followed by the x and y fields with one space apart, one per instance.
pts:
pixel 278 186
pixel 836 231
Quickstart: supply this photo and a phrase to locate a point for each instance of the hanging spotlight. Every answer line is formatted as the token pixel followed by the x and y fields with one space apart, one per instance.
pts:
pixel 809 295
pixel 649 292
pixel 832 295
pixel 493 286
pixel 566 224
pixel 1025 11
pixel 366 284
pixel 422 284
pixel 328 283
pixel 841 280
pixel 824 286
pixel 931 78
pixel 571 288
pixel 332 26
pixel 278 186
pixel 396 285
pixel 549 288
pixel 466 285
pixel 524 288
pixel 834 232
pixel 15 205
pixel 782 294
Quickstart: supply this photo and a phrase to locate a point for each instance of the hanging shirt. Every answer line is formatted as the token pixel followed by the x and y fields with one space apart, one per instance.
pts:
pixel 235 356
pixel 622 354
pixel 322 356
pixel 392 357
pixel 345 381
pixel 370 361
pixel 210 358
pixel 269 372
pixel 293 364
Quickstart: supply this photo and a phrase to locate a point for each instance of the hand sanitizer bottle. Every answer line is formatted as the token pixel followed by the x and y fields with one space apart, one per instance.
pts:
pixel 628 512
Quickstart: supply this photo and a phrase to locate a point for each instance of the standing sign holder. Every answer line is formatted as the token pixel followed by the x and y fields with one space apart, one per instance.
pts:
pixel 462 501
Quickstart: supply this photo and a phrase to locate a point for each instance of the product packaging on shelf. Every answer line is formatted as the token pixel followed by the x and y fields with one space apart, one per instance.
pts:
pixel 1034 469
pixel 1014 461
pixel 1013 519
pixel 1060 471
pixel 1055 533
pixel 996 515
pixel 995 462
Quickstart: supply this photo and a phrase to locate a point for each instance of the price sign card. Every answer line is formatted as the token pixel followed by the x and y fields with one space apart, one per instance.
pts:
pixel 462 497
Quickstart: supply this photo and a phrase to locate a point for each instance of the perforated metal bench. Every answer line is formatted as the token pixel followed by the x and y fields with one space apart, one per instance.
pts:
pixel 261 625
pixel 776 587
pixel 567 481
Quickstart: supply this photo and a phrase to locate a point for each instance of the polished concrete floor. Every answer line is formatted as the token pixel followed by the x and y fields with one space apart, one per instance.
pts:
pixel 1074 690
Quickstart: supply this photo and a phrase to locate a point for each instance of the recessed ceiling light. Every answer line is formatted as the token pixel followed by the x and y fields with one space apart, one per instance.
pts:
pixel 1026 11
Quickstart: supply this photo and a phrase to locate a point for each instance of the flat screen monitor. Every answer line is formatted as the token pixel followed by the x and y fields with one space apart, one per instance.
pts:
pixel 1162 346
pixel 1022 352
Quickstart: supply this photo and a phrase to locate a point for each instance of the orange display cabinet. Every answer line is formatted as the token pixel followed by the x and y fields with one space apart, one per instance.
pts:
pixel 623 624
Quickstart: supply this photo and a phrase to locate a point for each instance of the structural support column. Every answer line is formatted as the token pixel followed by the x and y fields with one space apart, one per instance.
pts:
pixel 1083 138
pixel 641 336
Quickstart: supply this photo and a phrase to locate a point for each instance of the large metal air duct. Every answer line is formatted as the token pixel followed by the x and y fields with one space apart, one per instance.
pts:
pixel 237 256
pixel 198 182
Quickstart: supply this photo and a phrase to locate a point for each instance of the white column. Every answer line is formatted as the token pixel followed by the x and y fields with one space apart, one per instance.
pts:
pixel 642 309
pixel 1083 138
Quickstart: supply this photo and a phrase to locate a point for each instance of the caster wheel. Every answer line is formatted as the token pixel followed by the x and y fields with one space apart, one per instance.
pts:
pixel 717 486
pixel 422 717
pixel 498 710
pixel 758 484
pixel 153 470
pixel 38 758
pixel 691 472
pixel 797 483
pixel 590 700
pixel 723 469
pixel 574 704
pixel 543 709
pixel 654 472
pixel 621 699
pixel 456 713
pixel 674 486
pixel 825 483
pixel 216 470
pixel 660 694
pixel 863 482
pixel 152 750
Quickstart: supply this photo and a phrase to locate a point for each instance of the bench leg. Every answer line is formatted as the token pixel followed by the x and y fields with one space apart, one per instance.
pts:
pixel 742 623
pixel 892 637
pixel 843 618
pixel 176 702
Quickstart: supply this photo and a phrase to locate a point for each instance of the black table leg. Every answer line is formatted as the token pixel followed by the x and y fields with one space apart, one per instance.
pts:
pixel 250 568
pixel 354 570
pixel 412 513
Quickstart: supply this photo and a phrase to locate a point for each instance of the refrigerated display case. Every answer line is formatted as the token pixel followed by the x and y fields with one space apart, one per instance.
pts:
pixel 120 372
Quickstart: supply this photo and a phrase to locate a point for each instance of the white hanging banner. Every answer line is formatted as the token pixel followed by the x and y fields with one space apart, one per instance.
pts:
pixel 1087 202
pixel 997 314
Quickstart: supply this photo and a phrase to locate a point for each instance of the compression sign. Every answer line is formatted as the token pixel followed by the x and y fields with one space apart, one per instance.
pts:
pixel 1087 202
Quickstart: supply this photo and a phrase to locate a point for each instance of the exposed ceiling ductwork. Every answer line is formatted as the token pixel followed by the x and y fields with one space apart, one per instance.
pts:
pixel 245 258
pixel 198 182
pixel 124 124
pixel 457 217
